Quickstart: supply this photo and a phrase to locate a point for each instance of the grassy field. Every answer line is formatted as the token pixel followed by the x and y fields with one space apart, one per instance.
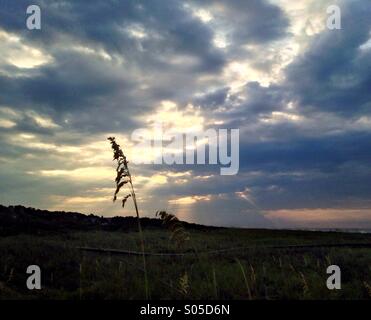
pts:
pixel 256 272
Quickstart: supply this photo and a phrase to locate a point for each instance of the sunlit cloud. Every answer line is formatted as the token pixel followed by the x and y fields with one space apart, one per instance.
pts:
pixel 100 53
pixel 92 173
pixel 17 53
pixel 81 200
pixel 277 117
pixel 203 14
pixel 151 181
pixel 42 121
pixel 176 120
pixel 4 123
pixel 189 200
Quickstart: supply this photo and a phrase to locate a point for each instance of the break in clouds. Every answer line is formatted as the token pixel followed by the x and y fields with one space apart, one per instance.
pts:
pixel 298 92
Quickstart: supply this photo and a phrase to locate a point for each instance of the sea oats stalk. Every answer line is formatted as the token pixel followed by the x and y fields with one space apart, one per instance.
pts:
pixel 178 233
pixel 183 286
pixel 245 278
pixel 123 178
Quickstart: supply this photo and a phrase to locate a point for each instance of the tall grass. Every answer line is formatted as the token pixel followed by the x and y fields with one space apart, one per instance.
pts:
pixel 177 231
pixel 118 277
pixel 123 178
pixel 244 278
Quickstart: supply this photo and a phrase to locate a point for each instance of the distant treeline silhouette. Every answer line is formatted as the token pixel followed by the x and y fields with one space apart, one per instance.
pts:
pixel 19 219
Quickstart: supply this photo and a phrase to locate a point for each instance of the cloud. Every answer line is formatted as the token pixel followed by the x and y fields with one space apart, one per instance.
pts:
pixel 299 95
pixel 332 74
pixel 189 200
pixel 321 218
pixel 249 21
pixel 20 55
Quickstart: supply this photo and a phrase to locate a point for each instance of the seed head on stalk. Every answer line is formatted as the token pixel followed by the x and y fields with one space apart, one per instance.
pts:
pixel 123 177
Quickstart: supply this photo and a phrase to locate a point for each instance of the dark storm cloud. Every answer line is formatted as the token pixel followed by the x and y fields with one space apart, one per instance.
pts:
pixel 239 110
pixel 292 174
pixel 258 21
pixel 73 88
pixel 91 92
pixel 72 81
pixel 322 153
pixel 259 101
pixel 171 29
pixel 334 74
pixel 325 171
pixel 213 100
pixel 75 83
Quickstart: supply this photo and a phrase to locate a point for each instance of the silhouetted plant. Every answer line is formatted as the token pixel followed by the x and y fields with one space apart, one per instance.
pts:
pixel 183 285
pixel 178 233
pixel 123 178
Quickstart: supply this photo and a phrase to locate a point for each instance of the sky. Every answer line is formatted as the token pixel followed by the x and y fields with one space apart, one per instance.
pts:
pixel 299 93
